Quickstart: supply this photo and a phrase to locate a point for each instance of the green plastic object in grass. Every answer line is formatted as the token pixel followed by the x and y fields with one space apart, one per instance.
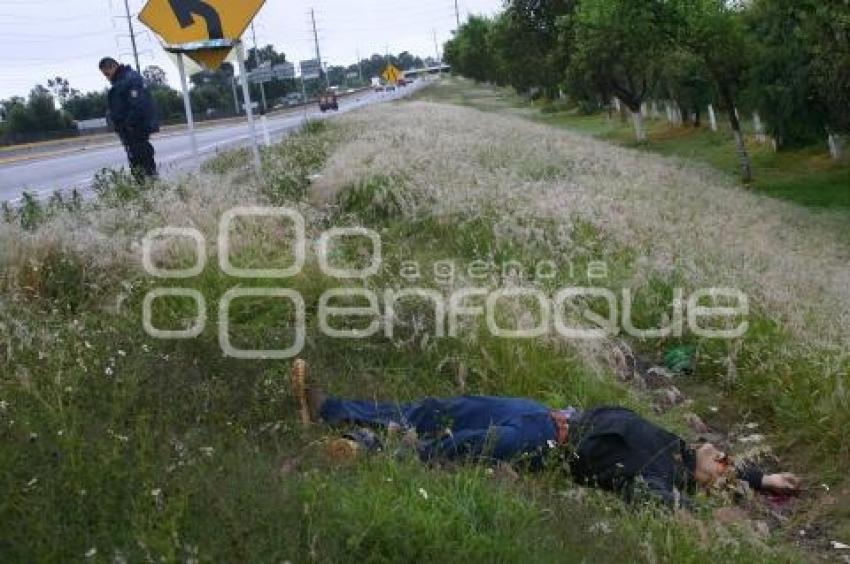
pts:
pixel 680 359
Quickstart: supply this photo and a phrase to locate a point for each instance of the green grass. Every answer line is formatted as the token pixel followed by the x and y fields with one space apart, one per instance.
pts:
pixel 144 449
pixel 806 176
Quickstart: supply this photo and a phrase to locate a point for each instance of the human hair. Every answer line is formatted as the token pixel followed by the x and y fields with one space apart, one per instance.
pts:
pixel 107 62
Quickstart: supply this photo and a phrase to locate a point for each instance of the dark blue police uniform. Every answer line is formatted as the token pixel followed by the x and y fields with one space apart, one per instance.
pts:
pixel 133 115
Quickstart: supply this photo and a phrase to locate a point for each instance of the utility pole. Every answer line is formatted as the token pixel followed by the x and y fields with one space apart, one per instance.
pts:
pixel 359 66
pixel 257 60
pixel 318 52
pixel 437 54
pixel 132 35
pixel 457 15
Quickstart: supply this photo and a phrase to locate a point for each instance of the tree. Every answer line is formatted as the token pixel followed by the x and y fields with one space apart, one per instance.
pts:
pixel 685 80
pixel 407 60
pixel 38 115
pixel 155 76
pixel 526 47
pixel 780 81
pixel 827 33
pixel 618 47
pixel 212 90
pixel 168 102
pixel 714 30
pixel 268 55
pixel 91 105
pixel 61 89
pixel 469 53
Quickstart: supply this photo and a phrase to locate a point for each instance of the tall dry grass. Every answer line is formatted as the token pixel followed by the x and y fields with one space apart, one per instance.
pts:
pixel 676 217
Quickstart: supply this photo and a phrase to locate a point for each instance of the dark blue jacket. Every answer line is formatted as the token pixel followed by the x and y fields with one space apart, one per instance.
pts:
pixel 131 108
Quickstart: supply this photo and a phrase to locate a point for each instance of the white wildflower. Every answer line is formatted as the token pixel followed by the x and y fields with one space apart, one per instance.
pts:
pixel 90 553
pixel 840 545
pixel 423 493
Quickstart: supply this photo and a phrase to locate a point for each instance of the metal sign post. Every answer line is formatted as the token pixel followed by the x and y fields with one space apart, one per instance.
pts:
pixel 249 110
pixel 304 96
pixel 187 104
pixel 235 94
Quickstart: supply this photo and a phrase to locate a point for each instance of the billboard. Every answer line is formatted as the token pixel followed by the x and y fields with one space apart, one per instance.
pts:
pixel 284 71
pixel 310 68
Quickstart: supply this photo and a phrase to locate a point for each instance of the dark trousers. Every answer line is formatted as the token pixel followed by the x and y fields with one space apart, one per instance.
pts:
pixel 503 428
pixel 140 153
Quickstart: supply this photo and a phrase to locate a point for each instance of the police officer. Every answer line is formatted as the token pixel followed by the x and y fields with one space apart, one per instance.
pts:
pixel 133 115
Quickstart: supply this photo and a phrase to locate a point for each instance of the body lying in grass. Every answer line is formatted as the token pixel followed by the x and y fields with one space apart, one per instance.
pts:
pixel 609 447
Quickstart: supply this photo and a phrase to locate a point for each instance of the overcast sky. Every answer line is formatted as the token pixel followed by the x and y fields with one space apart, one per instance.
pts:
pixel 45 38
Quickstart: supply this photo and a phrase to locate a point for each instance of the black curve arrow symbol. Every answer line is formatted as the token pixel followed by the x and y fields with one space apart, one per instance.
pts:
pixel 184 9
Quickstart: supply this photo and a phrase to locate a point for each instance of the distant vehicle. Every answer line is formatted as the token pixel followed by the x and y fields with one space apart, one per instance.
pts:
pixel 293 99
pixel 350 91
pixel 328 101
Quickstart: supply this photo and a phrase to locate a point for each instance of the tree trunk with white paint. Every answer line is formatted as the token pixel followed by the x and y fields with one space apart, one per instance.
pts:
pixel 640 130
pixel 740 144
pixel 759 127
pixel 836 146
pixel 712 117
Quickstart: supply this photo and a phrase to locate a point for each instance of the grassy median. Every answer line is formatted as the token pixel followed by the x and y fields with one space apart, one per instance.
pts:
pixel 116 445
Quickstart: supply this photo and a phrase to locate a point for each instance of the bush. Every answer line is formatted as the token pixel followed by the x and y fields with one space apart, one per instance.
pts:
pixel 374 200
pixel 117 186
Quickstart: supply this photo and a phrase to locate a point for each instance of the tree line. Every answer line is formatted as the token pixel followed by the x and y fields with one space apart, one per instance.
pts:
pixel 786 61
pixel 53 108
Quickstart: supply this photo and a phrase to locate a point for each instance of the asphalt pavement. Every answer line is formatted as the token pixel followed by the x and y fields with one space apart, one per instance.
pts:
pixel 76 169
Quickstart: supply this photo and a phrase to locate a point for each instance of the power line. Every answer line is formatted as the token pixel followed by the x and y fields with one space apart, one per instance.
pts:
pixel 40 18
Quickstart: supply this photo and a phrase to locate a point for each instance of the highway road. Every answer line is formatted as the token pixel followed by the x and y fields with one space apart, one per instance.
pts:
pixel 75 168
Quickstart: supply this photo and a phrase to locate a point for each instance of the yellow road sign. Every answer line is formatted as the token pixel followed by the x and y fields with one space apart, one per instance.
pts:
pixel 189 21
pixel 392 74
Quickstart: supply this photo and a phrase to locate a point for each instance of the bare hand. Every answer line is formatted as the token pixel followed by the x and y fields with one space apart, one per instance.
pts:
pixel 784 482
